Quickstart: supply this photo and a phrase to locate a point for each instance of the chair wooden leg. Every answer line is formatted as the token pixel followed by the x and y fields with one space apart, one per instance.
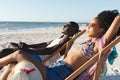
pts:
pixel 99 64
pixel 67 49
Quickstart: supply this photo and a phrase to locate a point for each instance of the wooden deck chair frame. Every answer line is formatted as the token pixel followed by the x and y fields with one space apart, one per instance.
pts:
pixel 98 57
pixel 56 52
pixel 65 45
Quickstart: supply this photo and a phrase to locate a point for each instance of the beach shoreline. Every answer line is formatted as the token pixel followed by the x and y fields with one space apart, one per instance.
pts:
pixel 39 36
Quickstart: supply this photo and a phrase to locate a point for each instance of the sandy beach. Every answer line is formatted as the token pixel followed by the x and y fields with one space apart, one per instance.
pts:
pixel 32 37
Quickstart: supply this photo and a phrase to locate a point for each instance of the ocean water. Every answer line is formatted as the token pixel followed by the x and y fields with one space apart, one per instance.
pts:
pixel 26 26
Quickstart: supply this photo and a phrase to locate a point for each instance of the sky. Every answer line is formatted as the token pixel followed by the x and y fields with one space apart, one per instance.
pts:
pixel 54 10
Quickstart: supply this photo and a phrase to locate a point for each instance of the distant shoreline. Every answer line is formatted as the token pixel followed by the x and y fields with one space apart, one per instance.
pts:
pixel 31 26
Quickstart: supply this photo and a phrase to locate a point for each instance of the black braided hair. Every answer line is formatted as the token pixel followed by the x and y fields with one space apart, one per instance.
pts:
pixel 106 18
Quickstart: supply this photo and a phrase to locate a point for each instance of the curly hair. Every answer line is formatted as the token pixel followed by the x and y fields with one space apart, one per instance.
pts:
pixel 105 18
pixel 75 25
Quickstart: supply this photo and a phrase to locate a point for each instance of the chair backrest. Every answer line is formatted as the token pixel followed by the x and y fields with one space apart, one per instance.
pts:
pixel 65 45
pixel 98 57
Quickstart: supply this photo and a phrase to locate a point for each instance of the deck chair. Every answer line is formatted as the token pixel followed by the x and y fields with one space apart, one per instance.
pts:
pixel 98 57
pixel 34 73
pixel 66 45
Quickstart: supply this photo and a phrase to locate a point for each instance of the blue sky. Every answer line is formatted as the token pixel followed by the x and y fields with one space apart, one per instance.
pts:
pixel 54 10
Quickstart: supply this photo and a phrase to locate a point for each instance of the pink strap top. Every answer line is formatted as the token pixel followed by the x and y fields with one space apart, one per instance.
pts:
pixel 89 72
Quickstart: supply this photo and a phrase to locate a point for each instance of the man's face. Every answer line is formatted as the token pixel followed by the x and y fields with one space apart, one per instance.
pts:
pixel 68 30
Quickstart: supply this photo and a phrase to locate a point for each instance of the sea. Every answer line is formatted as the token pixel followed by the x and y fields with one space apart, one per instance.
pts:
pixel 30 26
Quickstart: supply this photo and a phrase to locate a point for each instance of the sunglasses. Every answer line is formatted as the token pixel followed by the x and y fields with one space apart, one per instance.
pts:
pixel 67 25
pixel 91 24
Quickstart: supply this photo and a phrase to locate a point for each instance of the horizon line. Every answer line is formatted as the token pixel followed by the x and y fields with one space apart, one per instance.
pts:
pixel 45 21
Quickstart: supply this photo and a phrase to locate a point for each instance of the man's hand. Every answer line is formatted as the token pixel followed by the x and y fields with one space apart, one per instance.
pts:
pixel 22 45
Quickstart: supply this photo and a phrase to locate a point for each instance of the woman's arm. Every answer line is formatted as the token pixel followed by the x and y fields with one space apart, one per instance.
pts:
pixel 111 32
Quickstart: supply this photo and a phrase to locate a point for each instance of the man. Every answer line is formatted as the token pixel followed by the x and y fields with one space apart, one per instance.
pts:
pixel 45 48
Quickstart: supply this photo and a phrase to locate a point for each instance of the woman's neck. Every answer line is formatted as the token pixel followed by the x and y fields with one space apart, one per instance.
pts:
pixel 93 39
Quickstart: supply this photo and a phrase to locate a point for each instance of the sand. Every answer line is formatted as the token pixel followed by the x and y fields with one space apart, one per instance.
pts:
pixel 32 37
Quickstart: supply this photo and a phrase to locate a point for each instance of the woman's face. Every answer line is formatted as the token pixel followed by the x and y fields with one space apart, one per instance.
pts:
pixel 94 29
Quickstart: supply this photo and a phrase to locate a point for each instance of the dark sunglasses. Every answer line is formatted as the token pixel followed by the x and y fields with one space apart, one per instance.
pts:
pixel 67 25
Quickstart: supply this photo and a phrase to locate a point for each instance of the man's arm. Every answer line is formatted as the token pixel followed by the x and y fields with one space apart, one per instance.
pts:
pixel 34 46
pixel 39 45
pixel 42 51
pixel 47 50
